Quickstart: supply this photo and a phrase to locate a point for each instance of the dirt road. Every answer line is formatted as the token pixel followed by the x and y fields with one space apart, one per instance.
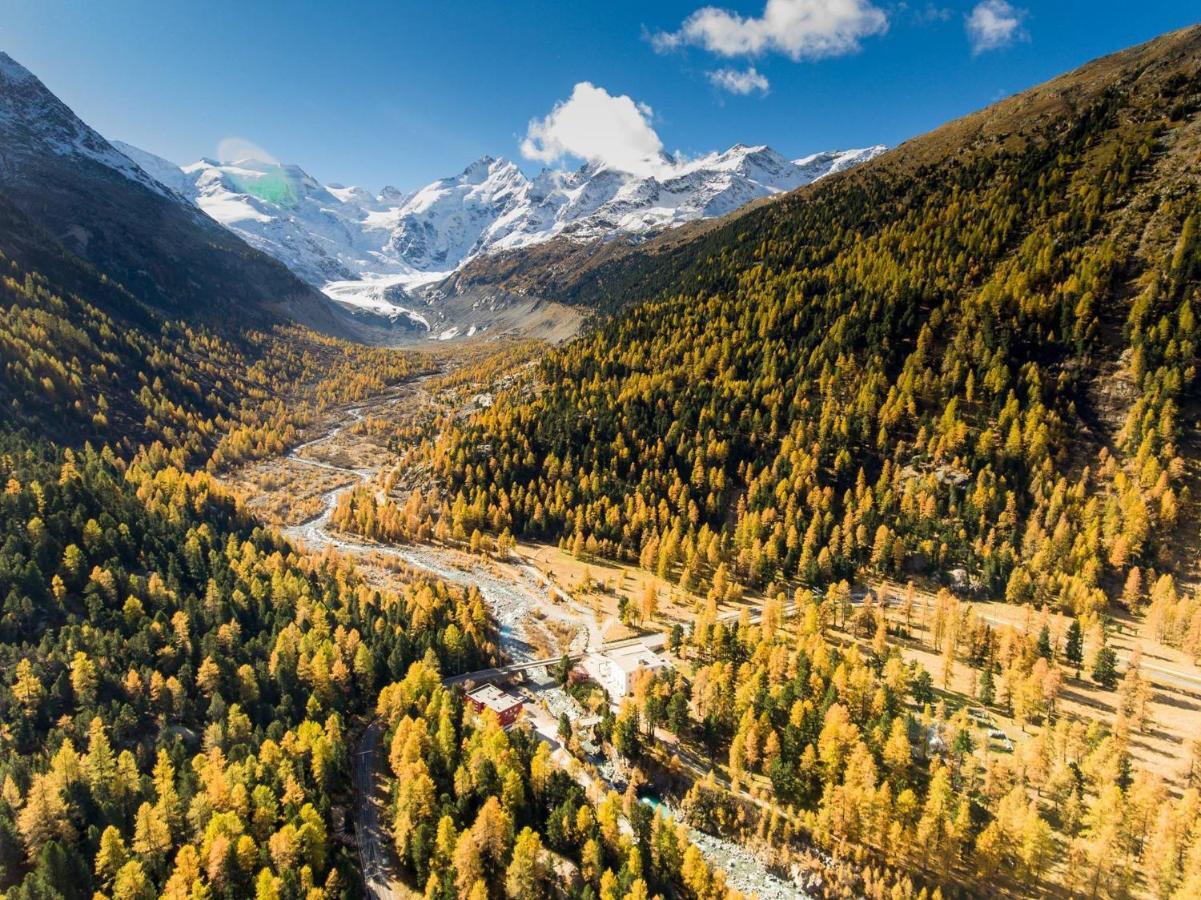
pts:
pixel 517 598
pixel 376 854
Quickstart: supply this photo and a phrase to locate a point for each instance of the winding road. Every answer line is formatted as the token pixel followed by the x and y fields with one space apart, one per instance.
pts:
pixel 518 600
pixel 512 600
pixel 370 799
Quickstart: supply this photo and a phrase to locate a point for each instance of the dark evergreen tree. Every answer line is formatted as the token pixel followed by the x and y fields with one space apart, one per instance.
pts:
pixel 1073 649
pixel 1105 668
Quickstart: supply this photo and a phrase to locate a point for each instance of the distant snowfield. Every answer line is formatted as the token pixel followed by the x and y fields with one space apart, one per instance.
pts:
pixel 369 251
pixel 371 293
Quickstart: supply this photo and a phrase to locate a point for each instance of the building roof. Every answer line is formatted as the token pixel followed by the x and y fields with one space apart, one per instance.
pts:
pixel 634 657
pixel 494 698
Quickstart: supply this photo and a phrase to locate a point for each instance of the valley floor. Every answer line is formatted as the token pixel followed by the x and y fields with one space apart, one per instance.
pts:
pixel 548 602
pixel 545 602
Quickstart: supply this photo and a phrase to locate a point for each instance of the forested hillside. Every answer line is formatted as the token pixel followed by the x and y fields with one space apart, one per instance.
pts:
pixel 976 353
pixel 970 364
pixel 84 359
pixel 180 683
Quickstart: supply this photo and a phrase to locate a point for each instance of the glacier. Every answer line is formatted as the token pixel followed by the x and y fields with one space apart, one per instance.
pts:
pixel 370 250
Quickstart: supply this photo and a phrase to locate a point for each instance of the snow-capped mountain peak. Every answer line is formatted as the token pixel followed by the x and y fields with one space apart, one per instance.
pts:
pixel 479 170
pixel 831 162
pixel 362 247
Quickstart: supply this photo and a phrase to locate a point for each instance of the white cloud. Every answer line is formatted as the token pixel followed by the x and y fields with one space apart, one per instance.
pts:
pixel 596 126
pixel 236 149
pixel 993 24
pixel 738 82
pixel 800 29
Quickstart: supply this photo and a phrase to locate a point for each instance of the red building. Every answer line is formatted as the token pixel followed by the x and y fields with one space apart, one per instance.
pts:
pixel 506 706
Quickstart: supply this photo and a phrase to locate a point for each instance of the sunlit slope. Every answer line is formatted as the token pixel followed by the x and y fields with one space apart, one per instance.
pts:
pixel 973 358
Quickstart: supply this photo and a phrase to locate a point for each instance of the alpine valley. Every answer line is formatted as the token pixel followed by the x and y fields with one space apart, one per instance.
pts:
pixel 758 528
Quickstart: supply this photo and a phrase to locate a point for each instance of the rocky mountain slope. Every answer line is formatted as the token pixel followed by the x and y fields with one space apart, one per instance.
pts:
pixel 369 250
pixel 91 201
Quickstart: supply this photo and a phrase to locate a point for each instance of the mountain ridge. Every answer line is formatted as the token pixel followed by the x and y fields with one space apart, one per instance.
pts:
pixel 360 246
pixel 1007 301
pixel 606 278
pixel 97 204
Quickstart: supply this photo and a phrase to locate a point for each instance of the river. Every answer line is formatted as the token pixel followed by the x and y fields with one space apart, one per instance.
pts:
pixel 519 601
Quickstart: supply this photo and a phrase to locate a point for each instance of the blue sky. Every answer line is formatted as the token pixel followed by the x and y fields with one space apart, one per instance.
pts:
pixel 376 93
